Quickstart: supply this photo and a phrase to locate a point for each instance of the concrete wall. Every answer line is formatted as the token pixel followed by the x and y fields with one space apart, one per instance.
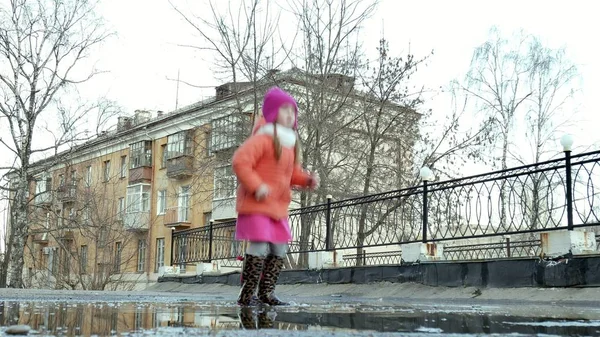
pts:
pixel 578 271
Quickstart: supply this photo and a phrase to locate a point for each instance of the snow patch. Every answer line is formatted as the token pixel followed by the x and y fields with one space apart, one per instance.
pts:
pixel 558 323
pixel 429 330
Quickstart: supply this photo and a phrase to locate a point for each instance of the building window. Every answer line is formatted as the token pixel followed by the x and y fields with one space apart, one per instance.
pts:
pixel 73 178
pixel 123 172
pixel 141 261
pixel 183 203
pixel 161 203
pixel 225 183
pixel 61 180
pixel 226 133
pixel 208 143
pixel 121 208
pixel 118 250
pixel 138 198
pixel 59 219
pixel 88 176
pixel 140 154
pixel 106 169
pixel 179 144
pixel 163 156
pixel 55 261
pixel 66 260
pixel 84 259
pixel 86 215
pixel 207 218
pixel 42 190
pixel 43 185
pixel 102 237
pixel 160 254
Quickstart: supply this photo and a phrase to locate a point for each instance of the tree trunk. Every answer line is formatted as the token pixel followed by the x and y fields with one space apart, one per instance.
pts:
pixel 502 185
pixel 360 236
pixel 305 229
pixel 4 267
pixel 19 225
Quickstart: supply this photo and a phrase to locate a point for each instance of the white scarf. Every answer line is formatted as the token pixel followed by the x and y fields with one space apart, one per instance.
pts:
pixel 287 136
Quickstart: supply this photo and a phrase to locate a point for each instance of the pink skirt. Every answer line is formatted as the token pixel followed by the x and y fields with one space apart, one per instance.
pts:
pixel 261 228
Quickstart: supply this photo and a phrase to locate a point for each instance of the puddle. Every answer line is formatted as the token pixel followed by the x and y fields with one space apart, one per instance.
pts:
pixel 121 318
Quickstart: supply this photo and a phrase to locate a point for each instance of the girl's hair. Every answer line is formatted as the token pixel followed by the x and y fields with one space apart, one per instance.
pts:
pixel 277 145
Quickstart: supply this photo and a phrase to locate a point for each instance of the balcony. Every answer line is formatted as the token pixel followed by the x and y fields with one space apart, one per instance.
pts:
pixel 67 193
pixel 43 199
pixel 41 238
pixel 66 235
pixel 178 217
pixel 136 221
pixel 140 174
pixel 229 132
pixel 180 167
pixel 223 209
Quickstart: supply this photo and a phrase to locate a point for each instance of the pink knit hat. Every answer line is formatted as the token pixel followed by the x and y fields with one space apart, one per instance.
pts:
pixel 274 99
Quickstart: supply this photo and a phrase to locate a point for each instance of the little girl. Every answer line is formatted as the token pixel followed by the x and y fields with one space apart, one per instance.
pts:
pixel 267 166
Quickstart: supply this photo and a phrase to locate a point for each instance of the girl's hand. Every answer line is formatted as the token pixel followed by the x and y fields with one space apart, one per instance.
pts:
pixel 262 192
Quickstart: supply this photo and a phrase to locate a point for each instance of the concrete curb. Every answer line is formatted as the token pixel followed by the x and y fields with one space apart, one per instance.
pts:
pixel 514 273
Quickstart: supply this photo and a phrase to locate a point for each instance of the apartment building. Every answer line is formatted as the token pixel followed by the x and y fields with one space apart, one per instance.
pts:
pixel 102 213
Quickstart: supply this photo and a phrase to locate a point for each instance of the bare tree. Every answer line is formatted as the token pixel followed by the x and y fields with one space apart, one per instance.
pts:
pixel 42 43
pixel 387 130
pixel 551 82
pixel 329 59
pixel 241 40
pixel 81 234
pixel 497 79
pixel 522 87
pixel 394 140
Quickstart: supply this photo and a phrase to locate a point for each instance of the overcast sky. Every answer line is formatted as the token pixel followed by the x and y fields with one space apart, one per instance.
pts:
pixel 144 52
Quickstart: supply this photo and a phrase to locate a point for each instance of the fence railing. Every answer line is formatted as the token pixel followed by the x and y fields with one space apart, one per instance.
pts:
pixel 517 201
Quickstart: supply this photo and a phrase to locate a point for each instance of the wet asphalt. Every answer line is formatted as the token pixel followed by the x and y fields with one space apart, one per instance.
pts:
pixel 74 313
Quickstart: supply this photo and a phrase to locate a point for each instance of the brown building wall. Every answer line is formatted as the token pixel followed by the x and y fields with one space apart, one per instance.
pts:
pixel 105 196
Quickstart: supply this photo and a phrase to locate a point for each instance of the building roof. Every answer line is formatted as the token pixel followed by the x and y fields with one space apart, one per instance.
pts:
pixel 293 76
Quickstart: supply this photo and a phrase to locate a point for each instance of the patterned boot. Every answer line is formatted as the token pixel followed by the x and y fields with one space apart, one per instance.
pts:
pixel 247 319
pixel 253 266
pixel 266 288
pixel 264 321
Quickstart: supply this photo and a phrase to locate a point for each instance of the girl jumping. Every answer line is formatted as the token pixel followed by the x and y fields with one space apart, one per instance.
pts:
pixel 267 166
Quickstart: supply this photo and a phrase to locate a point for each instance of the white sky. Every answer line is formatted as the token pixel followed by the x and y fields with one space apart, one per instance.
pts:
pixel 144 52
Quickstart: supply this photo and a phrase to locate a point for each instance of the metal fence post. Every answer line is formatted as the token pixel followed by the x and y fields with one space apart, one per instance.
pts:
pixel 425 220
pixel 426 175
pixel 328 223
pixel 567 143
pixel 507 247
pixel 569 190
pixel 172 245
pixel 210 240
pixel 364 258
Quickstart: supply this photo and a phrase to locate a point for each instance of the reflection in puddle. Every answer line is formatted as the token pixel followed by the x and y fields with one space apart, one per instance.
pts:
pixel 81 318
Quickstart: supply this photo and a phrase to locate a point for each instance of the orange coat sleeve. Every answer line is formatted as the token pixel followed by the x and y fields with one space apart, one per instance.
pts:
pixel 244 161
pixel 300 177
